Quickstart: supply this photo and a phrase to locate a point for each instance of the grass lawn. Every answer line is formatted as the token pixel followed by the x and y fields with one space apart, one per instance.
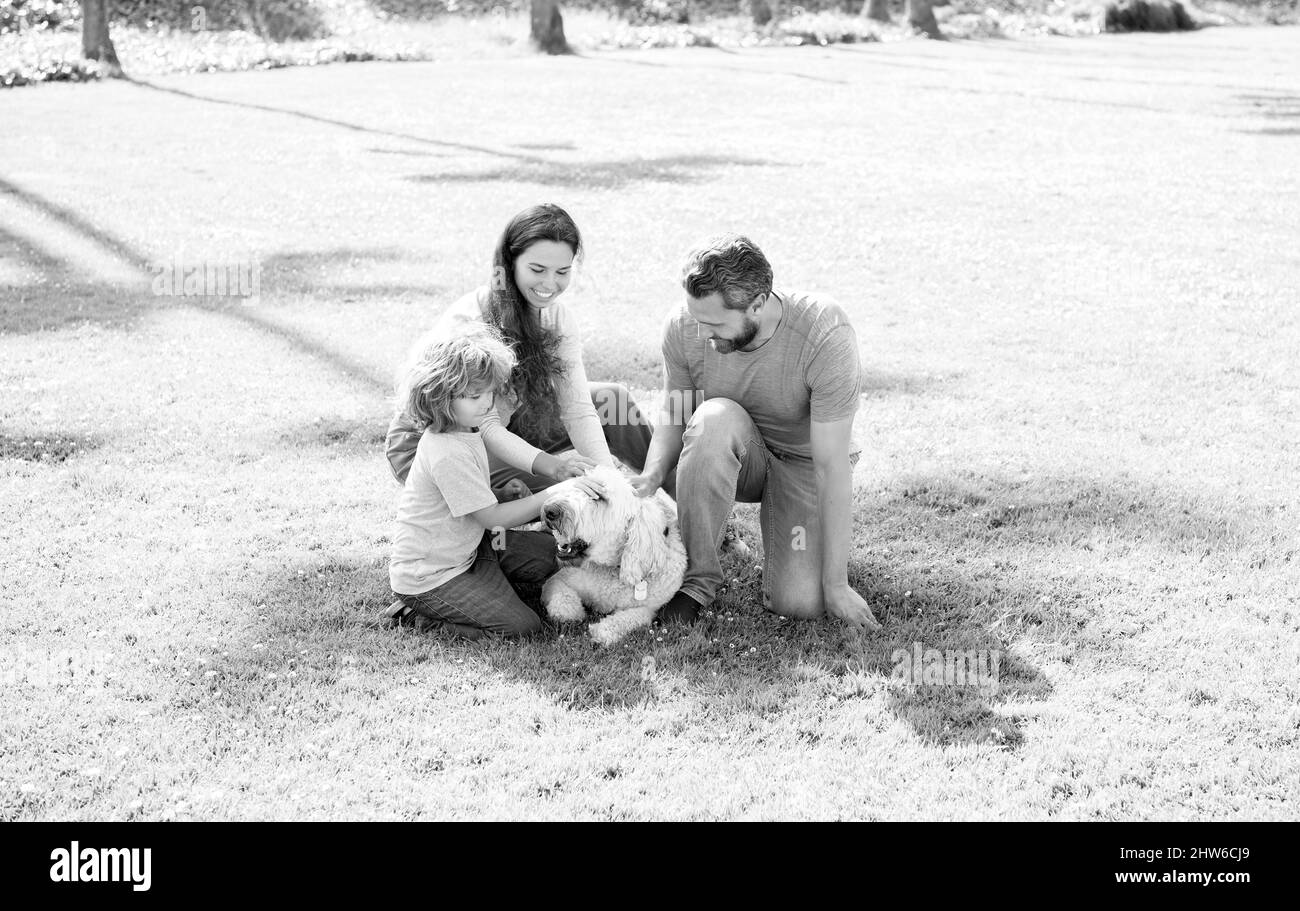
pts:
pixel 1073 268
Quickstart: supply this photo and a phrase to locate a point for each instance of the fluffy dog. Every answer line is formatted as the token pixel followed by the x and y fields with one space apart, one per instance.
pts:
pixel 621 555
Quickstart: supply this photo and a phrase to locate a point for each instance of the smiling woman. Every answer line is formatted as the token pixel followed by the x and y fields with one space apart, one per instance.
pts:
pixel 551 423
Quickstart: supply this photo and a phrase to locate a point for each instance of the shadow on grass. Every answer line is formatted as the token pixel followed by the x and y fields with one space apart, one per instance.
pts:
pixel 342 435
pixel 254 316
pixel 410 153
pixel 51 295
pixel 1079 513
pixel 763 71
pixel 341 124
pixel 738 662
pixel 310 273
pixel 74 222
pixel 46 448
pixel 1039 96
pixel 1282 106
pixel 606 175
pixel 881 383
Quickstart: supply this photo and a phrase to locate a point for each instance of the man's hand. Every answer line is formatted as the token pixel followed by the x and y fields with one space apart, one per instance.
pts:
pixel 645 485
pixel 849 606
pixel 571 465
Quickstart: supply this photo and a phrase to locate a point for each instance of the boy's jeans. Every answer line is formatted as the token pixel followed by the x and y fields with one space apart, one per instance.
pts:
pixel 483 599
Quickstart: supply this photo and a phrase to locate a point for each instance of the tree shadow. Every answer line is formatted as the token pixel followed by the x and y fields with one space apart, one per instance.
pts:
pixel 1070 512
pixel 337 435
pixel 1038 96
pixel 546 146
pixel 52 448
pixel 309 272
pixel 764 71
pixel 881 383
pixel 354 369
pixel 737 661
pixel 1280 106
pixel 58 298
pixel 1272 131
pixel 970 580
pixel 607 175
pixel 78 225
pixel 43 292
pixel 410 153
pixel 341 124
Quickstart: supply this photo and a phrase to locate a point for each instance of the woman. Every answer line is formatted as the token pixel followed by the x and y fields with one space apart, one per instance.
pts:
pixel 556 423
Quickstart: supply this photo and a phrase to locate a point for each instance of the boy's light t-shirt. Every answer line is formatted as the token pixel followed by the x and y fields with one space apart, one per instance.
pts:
pixel 436 537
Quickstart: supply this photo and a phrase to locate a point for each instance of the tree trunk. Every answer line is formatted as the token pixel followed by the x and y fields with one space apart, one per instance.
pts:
pixel 762 11
pixel 548 27
pixel 920 15
pixel 876 9
pixel 95 41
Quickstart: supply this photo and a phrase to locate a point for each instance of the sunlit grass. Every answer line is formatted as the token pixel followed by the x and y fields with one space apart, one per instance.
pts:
pixel 1077 454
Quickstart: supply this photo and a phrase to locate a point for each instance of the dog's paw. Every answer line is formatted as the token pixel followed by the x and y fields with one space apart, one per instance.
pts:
pixel 604 633
pixel 562 604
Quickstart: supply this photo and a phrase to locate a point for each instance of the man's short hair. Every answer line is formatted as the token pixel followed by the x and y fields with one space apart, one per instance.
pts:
pixel 730 264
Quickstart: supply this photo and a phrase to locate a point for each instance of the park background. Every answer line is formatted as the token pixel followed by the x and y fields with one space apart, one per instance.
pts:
pixel 1072 266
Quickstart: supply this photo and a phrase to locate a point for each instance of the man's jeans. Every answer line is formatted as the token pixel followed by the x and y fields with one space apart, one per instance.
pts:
pixel 483 599
pixel 627 434
pixel 724 460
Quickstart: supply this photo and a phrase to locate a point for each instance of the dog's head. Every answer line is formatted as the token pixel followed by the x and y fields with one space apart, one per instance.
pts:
pixel 620 529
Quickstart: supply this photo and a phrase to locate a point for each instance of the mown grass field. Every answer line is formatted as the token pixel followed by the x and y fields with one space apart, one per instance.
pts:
pixel 1073 268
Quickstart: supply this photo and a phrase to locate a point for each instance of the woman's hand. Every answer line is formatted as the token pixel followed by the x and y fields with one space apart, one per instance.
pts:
pixel 592 488
pixel 571 465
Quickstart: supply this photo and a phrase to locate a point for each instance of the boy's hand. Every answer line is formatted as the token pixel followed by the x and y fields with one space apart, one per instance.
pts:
pixel 514 489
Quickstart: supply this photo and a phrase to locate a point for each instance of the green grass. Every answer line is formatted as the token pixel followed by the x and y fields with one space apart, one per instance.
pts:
pixel 1072 269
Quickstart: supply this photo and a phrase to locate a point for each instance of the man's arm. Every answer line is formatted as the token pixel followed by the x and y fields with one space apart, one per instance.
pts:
pixel 666 441
pixel 675 409
pixel 830 453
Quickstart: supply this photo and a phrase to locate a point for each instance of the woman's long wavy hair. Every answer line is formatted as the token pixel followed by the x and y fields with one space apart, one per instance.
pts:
pixel 536 349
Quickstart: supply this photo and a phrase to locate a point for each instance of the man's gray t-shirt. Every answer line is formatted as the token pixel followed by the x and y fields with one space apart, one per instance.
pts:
pixel 807 371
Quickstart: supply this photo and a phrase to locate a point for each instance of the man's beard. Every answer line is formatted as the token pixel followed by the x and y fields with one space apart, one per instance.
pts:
pixel 747 333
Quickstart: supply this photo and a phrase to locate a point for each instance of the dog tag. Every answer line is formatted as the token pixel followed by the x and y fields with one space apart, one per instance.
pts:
pixel 639 591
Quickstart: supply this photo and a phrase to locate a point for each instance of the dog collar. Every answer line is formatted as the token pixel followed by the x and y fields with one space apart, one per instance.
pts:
pixel 639 590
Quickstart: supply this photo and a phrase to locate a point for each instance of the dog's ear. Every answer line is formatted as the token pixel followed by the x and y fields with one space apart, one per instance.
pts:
pixel 646 550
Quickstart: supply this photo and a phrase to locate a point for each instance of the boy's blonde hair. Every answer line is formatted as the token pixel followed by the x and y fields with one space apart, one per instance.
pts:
pixel 443 368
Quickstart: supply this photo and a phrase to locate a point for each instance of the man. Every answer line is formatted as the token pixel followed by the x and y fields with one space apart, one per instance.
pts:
pixel 760 389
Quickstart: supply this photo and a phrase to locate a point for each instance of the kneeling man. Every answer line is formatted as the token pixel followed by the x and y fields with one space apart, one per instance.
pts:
pixel 760 389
